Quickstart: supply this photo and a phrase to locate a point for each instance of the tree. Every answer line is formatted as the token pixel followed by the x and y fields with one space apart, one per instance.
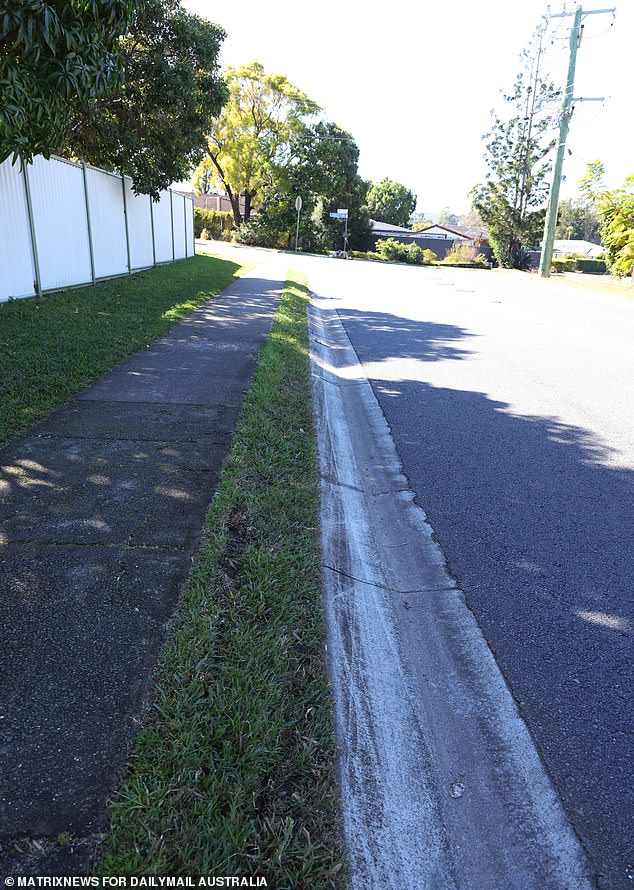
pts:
pixel 616 217
pixel 250 142
pixel 511 200
pixel 321 168
pixel 577 219
pixel 52 55
pixel 154 126
pixel 391 202
pixel 472 218
pixel 447 218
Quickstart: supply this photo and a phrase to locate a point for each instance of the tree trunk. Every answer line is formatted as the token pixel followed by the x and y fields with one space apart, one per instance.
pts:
pixel 235 205
pixel 235 199
pixel 247 206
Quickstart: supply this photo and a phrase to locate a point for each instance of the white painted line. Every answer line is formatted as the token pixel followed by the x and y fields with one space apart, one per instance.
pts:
pixel 441 784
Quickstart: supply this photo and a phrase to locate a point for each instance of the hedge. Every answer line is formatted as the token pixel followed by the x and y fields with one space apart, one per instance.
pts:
pixel 216 222
pixel 578 264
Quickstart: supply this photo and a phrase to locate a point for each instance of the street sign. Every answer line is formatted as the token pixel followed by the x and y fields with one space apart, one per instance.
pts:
pixel 339 215
pixel 343 210
pixel 298 203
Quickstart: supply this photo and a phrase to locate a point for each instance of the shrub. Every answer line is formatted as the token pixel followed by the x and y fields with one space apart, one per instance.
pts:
pixel 592 266
pixel 396 252
pixel 564 264
pixel 258 234
pixel 218 223
pixel 465 254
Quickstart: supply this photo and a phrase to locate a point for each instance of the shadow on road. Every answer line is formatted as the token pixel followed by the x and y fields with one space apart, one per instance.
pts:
pixel 537 528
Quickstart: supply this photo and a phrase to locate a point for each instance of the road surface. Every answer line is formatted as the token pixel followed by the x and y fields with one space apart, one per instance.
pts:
pixel 510 404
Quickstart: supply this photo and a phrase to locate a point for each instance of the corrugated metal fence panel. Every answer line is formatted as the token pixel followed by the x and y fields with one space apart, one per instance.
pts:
pixel 59 216
pixel 17 271
pixel 163 228
pixel 139 227
pixel 178 221
pixel 107 223
pixel 189 226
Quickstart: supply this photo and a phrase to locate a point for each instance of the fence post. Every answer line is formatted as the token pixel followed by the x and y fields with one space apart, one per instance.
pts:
pixel 152 224
pixel 125 216
pixel 29 210
pixel 172 222
pixel 90 245
pixel 185 224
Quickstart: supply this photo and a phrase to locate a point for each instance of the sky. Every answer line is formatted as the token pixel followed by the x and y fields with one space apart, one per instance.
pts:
pixel 414 81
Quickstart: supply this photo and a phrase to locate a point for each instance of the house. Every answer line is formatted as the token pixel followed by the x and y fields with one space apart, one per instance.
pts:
pixel 579 248
pixel 476 236
pixel 213 202
pixel 438 238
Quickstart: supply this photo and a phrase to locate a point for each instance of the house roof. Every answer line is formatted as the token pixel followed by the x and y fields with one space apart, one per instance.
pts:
pixel 472 233
pixel 587 248
pixel 388 227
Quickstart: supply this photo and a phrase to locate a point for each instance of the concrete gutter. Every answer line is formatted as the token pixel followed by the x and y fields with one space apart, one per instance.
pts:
pixel 441 785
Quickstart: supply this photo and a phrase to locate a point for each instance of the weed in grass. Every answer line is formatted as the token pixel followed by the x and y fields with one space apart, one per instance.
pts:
pixel 53 346
pixel 233 771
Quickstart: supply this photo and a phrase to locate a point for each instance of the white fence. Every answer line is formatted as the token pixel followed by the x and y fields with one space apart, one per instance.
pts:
pixel 64 224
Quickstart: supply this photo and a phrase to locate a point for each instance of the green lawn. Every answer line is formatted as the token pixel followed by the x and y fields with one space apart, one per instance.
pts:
pixel 233 769
pixel 53 346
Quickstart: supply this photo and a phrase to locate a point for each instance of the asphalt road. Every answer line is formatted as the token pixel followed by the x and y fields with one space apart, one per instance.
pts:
pixel 510 402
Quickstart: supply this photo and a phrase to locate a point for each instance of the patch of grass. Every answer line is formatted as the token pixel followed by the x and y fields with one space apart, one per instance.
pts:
pixel 53 346
pixel 233 772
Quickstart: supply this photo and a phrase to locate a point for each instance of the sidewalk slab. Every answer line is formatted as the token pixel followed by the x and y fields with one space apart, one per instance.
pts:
pixel 101 508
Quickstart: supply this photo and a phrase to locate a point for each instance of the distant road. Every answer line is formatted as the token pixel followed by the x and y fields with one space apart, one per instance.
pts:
pixel 511 403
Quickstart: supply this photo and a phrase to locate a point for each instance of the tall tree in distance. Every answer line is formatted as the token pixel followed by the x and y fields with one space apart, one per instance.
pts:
pixel 154 126
pixel 447 218
pixel 250 141
pixel 55 55
pixel 577 219
pixel 511 199
pixel 391 202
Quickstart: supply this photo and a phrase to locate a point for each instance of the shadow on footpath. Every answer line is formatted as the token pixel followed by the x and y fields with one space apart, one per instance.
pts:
pixel 101 509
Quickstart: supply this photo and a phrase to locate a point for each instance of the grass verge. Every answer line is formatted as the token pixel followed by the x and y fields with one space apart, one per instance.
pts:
pixel 53 346
pixel 232 773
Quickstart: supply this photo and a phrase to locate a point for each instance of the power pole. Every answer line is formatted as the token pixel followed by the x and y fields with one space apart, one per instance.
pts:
pixel 564 124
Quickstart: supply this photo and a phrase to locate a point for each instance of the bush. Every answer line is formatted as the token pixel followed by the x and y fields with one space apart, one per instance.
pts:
pixel 591 267
pixel 575 263
pixel 257 233
pixel 397 252
pixel 465 254
pixel 217 223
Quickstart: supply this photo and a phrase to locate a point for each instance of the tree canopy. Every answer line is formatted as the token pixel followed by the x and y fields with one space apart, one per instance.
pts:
pixel 321 168
pixel 390 202
pixel 577 219
pixel 249 144
pixel 53 54
pixel 615 208
pixel 153 127
pixel 511 199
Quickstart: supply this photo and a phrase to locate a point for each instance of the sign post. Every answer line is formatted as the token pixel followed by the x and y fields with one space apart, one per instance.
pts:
pixel 342 213
pixel 298 207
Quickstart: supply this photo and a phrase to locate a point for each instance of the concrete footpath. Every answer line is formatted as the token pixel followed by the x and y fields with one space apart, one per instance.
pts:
pixel 101 508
